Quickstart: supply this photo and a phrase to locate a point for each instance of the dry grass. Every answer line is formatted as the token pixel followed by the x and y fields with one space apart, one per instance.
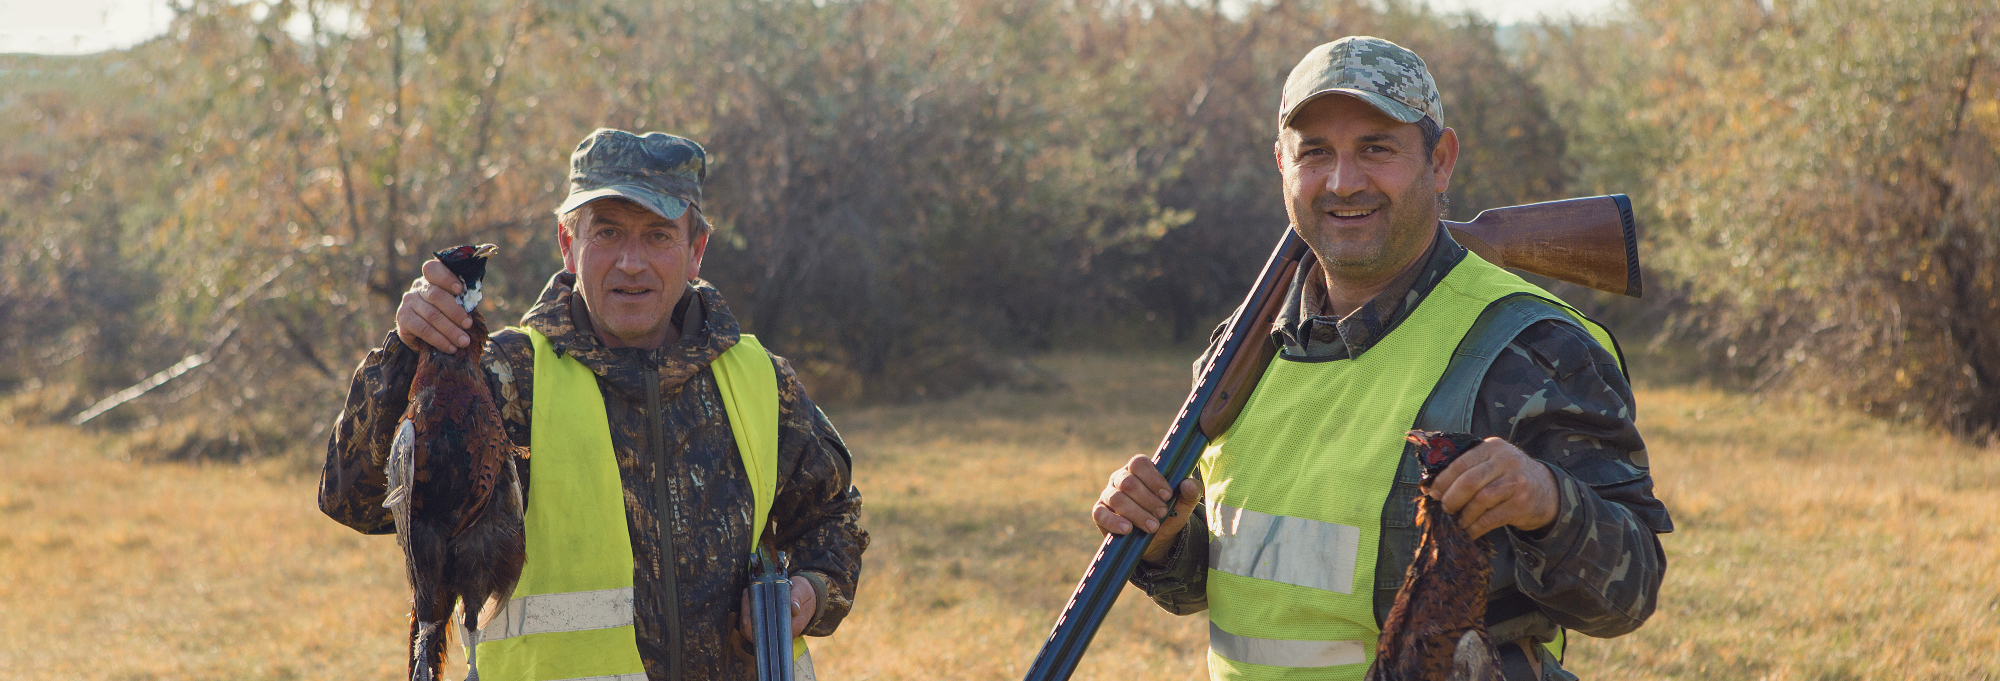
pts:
pixel 1811 545
pixel 122 570
pixel 978 508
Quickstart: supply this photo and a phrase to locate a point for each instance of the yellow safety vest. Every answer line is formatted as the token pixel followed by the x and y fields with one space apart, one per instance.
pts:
pixel 1295 489
pixel 570 617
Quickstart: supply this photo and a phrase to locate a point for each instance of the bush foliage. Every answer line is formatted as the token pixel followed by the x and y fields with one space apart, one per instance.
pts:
pixel 909 191
pixel 1823 178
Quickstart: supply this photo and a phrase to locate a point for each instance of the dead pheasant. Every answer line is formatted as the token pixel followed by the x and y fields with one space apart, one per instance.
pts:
pixel 1436 631
pixel 452 485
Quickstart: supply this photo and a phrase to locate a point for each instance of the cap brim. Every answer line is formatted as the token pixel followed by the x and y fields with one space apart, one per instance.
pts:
pixel 1387 106
pixel 669 207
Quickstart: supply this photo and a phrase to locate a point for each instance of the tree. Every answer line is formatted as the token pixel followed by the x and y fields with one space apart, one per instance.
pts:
pixel 1823 174
pixel 906 191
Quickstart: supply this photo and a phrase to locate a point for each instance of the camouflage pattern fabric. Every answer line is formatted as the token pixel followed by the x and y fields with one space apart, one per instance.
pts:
pixel 656 170
pixel 816 506
pixel 1556 395
pixel 1377 71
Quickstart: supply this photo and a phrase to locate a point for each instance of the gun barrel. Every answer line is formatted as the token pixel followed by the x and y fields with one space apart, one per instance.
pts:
pixel 771 617
pixel 1175 457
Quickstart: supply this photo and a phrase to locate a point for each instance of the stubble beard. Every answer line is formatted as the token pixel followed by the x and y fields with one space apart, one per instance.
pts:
pixel 1389 251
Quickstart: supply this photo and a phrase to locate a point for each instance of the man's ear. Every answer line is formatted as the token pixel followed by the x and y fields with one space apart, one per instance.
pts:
pixel 1444 158
pixel 568 255
pixel 695 250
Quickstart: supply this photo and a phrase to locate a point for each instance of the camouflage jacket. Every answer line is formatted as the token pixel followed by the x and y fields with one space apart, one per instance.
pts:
pixel 815 508
pixel 1555 394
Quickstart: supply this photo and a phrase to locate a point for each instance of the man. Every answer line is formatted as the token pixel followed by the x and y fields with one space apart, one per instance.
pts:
pixel 1298 534
pixel 628 307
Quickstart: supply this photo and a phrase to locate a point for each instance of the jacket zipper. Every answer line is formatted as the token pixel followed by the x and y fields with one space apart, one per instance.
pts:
pixel 663 515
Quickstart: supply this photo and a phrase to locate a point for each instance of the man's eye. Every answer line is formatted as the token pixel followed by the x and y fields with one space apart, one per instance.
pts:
pixel 659 237
pixel 606 234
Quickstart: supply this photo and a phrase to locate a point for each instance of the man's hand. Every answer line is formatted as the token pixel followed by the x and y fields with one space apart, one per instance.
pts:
pixel 429 312
pixel 805 602
pixel 1494 485
pixel 1138 495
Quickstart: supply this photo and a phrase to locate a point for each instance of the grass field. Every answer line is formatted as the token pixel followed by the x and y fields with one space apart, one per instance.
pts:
pixel 1809 545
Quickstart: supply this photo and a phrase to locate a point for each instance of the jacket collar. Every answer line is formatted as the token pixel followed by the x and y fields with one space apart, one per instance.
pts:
pixel 1304 332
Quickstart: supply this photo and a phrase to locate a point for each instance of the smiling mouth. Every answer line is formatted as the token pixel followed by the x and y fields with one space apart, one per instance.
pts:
pixel 631 290
pixel 1351 213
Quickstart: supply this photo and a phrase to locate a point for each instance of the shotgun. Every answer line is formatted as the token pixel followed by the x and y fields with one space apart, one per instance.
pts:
pixel 1592 241
pixel 771 616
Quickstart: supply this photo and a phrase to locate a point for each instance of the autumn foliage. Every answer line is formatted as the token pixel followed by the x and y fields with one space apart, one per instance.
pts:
pixel 1821 176
pixel 908 193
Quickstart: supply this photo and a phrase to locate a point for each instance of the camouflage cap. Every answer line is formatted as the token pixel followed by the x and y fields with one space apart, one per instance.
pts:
pixel 1371 69
pixel 656 170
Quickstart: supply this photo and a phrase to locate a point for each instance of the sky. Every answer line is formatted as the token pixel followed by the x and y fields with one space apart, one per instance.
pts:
pixel 84 26
pixel 1515 11
pixel 79 26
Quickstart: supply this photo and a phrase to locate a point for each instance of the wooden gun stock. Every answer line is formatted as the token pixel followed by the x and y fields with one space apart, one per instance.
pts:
pixel 1591 242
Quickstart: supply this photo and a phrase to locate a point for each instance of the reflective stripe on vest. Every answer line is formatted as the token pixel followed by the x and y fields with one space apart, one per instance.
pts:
pixel 546 613
pixel 1295 551
pixel 571 615
pixel 1296 490
pixel 1283 653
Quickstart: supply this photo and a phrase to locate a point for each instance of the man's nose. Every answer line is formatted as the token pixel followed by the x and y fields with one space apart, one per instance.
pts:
pixel 631 258
pixel 1346 178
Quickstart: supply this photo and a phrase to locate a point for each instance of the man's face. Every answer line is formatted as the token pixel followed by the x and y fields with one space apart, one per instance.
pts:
pixel 631 267
pixel 1359 188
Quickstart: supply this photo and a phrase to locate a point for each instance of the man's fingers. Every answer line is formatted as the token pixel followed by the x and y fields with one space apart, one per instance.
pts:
pixel 1108 522
pixel 1498 490
pixel 1171 525
pixel 1463 486
pixel 1144 496
pixel 1138 498
pixel 417 331
pixel 805 601
pixel 446 303
pixel 1145 518
pixel 1480 530
pixel 437 337
pixel 1486 525
pixel 430 314
pixel 1190 495
pixel 1141 468
pixel 1496 485
pixel 1118 513
pixel 1449 477
pixel 441 325
pixel 440 276
pixel 1489 508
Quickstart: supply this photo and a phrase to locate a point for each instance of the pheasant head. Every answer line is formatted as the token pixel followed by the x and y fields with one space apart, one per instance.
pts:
pixel 1435 451
pixel 469 263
